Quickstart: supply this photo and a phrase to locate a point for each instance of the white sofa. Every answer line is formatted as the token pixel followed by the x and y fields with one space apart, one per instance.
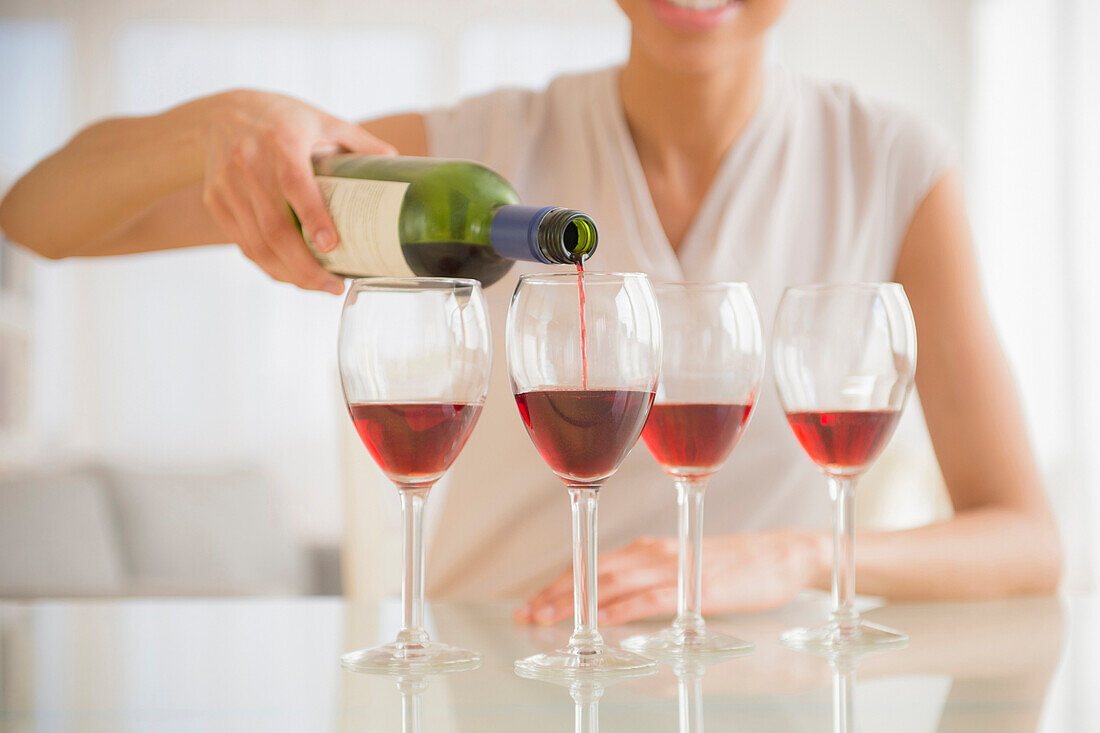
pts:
pixel 94 530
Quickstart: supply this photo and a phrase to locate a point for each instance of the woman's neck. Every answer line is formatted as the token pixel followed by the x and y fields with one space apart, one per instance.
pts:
pixel 676 117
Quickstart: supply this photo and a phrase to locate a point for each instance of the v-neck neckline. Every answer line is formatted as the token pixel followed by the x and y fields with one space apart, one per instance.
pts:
pixel 712 197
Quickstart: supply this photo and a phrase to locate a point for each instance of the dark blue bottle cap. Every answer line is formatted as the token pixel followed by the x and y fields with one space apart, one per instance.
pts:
pixel 514 232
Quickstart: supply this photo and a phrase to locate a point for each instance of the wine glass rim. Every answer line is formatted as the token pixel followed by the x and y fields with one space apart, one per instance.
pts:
pixel 555 277
pixel 822 287
pixel 406 284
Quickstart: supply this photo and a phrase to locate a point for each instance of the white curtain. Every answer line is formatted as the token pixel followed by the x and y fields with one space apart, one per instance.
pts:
pixel 1034 180
pixel 1081 189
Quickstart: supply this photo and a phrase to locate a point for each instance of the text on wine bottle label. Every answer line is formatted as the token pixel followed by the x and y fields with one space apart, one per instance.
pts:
pixel 366 214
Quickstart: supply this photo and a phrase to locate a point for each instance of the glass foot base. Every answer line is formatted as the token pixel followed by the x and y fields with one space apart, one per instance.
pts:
pixel 432 657
pixel 606 663
pixel 676 643
pixel 830 639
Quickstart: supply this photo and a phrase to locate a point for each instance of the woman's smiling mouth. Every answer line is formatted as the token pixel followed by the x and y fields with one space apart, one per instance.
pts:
pixel 695 15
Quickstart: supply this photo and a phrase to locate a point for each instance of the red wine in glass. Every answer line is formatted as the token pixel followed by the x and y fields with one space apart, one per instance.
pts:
pixel 583 423
pixel 584 434
pixel 834 344
pixel 414 441
pixel 694 438
pixel 843 441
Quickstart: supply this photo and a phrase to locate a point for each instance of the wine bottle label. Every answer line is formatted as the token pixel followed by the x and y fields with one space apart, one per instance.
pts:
pixel 366 214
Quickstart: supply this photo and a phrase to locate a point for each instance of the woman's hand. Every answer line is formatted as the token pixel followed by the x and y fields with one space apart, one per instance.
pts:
pixel 741 573
pixel 259 149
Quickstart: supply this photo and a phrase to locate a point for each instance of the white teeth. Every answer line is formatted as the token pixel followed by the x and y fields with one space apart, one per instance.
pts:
pixel 700 4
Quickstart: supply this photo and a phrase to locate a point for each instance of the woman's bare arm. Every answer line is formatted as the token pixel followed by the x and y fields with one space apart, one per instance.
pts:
pixel 218 169
pixel 1003 539
pixel 107 175
pixel 180 219
pixel 406 132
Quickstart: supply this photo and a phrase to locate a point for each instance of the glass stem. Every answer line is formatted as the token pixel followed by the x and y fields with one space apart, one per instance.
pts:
pixel 843 718
pixel 843 489
pixel 690 686
pixel 586 717
pixel 586 638
pixel 689 616
pixel 411 704
pixel 586 708
pixel 412 633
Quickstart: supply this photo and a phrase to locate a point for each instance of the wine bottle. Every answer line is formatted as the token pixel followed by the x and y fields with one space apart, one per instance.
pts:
pixel 406 216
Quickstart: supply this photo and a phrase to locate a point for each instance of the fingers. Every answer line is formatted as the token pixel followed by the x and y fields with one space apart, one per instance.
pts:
pixel 267 235
pixel 284 240
pixel 545 607
pixel 295 177
pixel 615 585
pixel 646 565
pixel 355 139
pixel 258 162
pixel 287 244
pixel 296 182
pixel 237 220
pixel 225 194
pixel 623 596
pixel 652 601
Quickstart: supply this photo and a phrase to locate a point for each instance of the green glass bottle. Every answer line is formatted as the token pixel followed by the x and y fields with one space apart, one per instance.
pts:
pixel 406 216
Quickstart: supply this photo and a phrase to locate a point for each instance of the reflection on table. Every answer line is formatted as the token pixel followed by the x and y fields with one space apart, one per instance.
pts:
pixel 1000 654
pixel 274 665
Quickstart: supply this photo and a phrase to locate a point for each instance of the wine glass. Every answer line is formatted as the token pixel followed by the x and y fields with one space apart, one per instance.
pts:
pixel 584 400
pixel 414 356
pixel 844 356
pixel 710 373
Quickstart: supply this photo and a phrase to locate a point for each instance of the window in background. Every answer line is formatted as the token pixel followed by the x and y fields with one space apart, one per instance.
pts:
pixel 501 54
pixel 15 351
pixel 1081 141
pixel 1027 170
pixel 1034 186
pixel 34 87
pixel 1078 27
pixel 355 73
pixel 912 53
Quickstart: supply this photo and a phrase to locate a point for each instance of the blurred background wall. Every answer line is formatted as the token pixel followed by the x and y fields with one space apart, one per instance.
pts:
pixel 183 394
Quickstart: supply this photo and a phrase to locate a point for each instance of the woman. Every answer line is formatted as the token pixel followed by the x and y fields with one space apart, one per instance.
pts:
pixel 698 163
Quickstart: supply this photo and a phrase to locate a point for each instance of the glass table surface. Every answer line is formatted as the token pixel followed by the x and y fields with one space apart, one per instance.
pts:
pixel 273 665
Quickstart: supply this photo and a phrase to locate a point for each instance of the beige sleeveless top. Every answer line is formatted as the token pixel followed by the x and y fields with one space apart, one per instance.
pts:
pixel 821 186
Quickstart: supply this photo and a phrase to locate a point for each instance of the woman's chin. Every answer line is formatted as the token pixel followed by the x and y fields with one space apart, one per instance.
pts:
pixel 700 36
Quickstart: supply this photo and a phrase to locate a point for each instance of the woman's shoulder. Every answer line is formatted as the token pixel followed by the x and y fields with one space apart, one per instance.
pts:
pixel 880 158
pixel 869 125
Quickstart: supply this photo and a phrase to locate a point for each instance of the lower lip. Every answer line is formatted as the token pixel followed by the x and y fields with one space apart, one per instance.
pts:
pixel 689 19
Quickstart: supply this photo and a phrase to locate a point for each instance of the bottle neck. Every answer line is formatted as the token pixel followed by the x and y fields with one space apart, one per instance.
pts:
pixel 550 234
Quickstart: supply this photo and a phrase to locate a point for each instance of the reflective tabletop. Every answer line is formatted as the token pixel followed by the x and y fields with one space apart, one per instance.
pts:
pixel 273 665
